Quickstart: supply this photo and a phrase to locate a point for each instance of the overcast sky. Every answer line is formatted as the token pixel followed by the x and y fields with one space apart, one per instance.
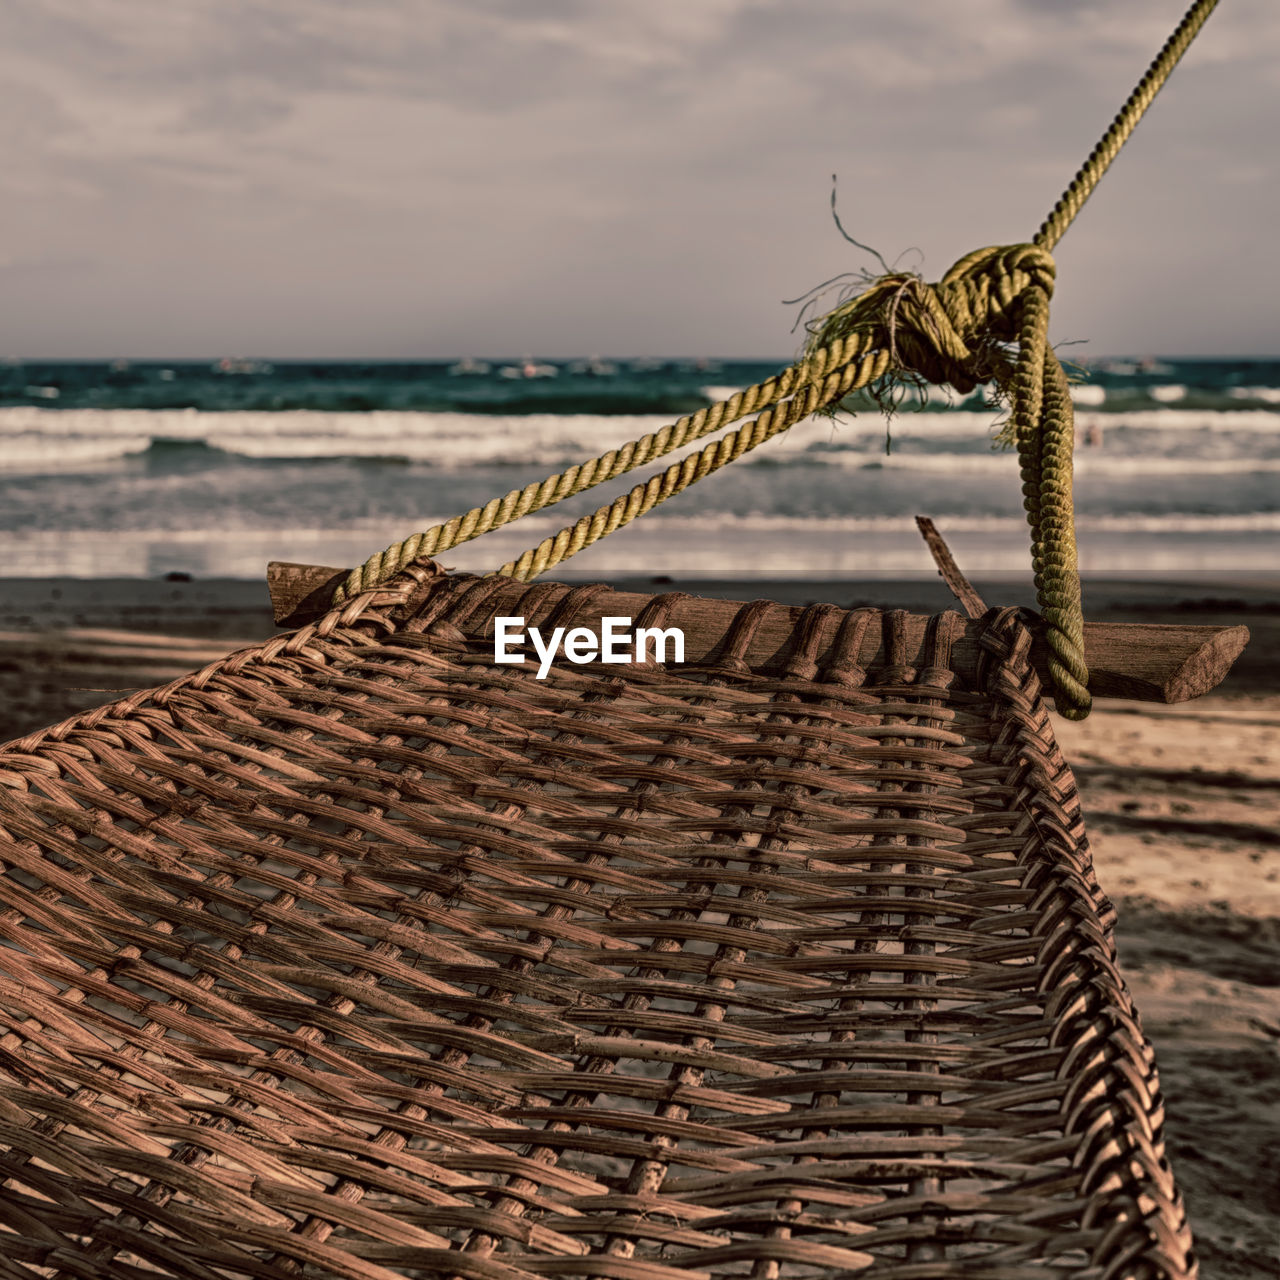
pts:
pixel 435 178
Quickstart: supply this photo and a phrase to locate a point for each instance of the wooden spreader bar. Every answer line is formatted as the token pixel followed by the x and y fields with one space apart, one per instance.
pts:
pixel 1141 661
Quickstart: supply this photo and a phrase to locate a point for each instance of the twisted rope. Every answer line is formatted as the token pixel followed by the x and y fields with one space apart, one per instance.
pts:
pixel 565 484
pixel 1090 173
pixel 846 376
pixel 961 331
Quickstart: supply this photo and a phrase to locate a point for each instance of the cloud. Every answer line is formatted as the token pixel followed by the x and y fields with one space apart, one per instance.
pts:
pixel 427 177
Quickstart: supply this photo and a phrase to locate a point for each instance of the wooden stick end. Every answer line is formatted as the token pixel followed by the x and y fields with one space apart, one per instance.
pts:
pixel 1206 667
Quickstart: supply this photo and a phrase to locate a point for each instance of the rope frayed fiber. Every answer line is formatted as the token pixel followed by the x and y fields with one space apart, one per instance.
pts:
pixel 985 321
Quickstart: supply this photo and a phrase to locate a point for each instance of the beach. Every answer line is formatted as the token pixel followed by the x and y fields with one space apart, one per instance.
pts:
pixel 291 290
pixel 1182 804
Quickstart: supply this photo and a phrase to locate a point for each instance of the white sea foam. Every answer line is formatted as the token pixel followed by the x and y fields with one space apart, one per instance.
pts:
pixel 849 545
pixel 1086 463
pixel 1264 395
pixel 32 451
pixel 1088 393
pixel 716 394
pixel 31 435
pixel 1184 420
pixel 769 545
pixel 443 439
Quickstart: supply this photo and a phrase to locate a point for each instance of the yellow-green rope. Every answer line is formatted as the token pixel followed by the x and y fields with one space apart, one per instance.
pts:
pixel 845 377
pixel 1090 173
pixel 564 484
pixel 959 331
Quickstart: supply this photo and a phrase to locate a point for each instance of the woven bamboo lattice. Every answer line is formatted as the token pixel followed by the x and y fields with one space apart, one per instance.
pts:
pixel 356 955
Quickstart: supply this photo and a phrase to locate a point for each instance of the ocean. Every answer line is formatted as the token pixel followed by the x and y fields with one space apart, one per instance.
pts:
pixel 211 469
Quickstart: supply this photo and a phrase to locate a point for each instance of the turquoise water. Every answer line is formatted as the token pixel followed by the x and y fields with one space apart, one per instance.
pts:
pixel 213 468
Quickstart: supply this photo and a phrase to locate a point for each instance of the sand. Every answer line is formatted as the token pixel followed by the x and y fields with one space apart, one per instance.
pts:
pixel 1182 803
pixel 1183 809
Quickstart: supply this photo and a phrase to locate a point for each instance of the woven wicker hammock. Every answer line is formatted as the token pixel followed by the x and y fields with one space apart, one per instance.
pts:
pixel 357 955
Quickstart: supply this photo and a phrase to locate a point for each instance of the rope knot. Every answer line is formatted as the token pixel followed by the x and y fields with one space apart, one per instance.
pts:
pixel 953 332
pixel 982 290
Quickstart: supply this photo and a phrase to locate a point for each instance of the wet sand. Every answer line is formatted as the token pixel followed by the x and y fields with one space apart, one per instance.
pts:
pixel 1182 803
